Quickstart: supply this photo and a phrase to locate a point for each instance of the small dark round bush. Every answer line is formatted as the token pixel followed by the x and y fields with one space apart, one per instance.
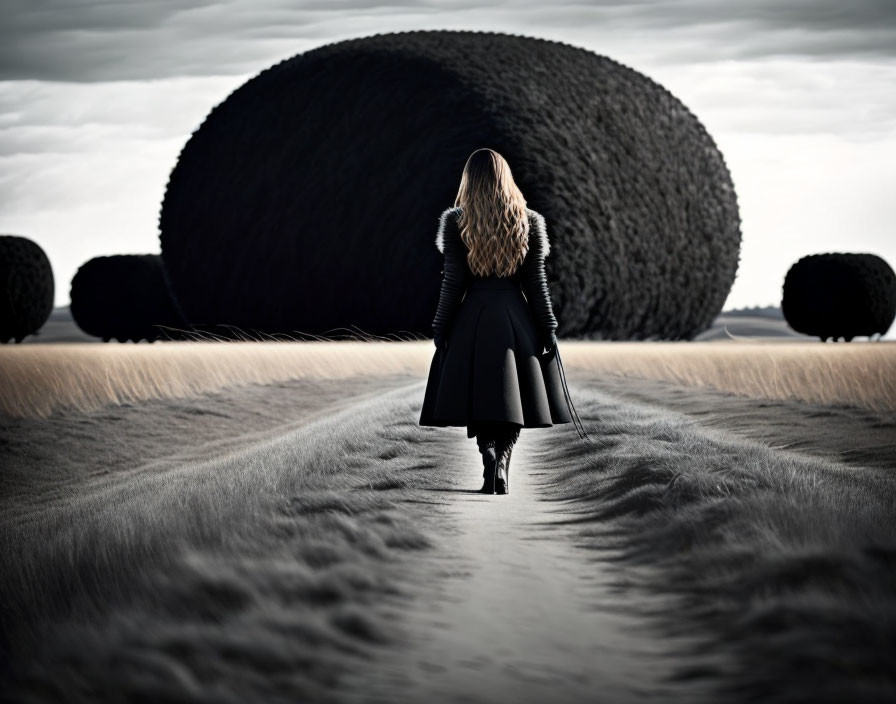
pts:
pixel 308 200
pixel 840 295
pixel 126 297
pixel 26 288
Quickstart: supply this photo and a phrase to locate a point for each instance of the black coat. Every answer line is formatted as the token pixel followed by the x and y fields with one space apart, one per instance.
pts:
pixel 493 366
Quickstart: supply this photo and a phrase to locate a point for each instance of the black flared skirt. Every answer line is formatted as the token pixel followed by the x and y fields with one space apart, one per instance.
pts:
pixel 492 369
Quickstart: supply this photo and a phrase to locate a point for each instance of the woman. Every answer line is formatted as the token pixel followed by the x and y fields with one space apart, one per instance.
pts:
pixel 496 368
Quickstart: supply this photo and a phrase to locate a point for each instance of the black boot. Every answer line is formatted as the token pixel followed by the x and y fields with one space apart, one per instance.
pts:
pixel 507 469
pixel 502 472
pixel 489 462
pixel 501 475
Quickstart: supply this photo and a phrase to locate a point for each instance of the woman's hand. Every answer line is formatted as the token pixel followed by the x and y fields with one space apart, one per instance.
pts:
pixel 440 342
pixel 549 342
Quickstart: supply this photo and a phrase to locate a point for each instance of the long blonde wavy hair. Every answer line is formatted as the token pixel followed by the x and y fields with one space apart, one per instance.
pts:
pixel 493 221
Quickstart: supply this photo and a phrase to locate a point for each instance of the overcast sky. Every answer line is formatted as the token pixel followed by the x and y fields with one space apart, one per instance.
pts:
pixel 98 98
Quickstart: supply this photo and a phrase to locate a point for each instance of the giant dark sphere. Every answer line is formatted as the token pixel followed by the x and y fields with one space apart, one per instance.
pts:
pixel 126 297
pixel 308 200
pixel 837 295
pixel 26 288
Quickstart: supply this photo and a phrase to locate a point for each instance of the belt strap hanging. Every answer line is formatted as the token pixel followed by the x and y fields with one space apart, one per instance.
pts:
pixel 578 423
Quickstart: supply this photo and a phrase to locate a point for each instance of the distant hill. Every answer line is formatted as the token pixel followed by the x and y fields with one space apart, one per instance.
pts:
pixel 755 322
pixel 60 327
pixel 772 312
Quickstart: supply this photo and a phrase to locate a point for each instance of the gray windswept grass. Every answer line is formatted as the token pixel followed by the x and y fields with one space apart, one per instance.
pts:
pixel 259 576
pixel 783 564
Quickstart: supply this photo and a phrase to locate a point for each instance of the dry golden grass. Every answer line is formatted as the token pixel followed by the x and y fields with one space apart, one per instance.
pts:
pixel 860 374
pixel 37 379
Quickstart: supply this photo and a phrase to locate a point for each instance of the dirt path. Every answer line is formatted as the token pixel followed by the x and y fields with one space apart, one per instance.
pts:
pixel 508 608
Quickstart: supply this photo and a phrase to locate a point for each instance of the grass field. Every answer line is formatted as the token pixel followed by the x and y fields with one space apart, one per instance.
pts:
pixel 237 522
pixel 40 378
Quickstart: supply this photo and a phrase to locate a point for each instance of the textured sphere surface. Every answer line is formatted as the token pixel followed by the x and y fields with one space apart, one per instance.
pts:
pixel 308 200
pixel 837 295
pixel 125 297
pixel 27 288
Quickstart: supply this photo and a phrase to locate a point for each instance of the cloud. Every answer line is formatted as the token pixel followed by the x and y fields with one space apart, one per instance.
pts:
pixel 807 194
pixel 89 40
pixel 83 167
pixel 849 99
pixel 99 98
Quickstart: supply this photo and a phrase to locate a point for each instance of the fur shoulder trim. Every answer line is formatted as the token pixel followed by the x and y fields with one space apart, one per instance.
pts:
pixel 539 229
pixel 443 220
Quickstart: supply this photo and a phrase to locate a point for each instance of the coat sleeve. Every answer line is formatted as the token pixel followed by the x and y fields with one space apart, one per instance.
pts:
pixel 534 280
pixel 454 274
